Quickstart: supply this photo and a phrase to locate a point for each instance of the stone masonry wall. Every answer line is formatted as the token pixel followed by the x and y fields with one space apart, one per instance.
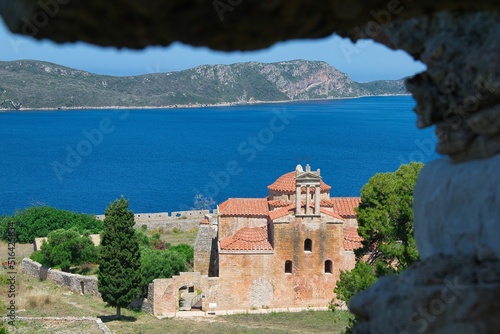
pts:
pixel 182 220
pixel 248 280
pixel 77 283
pixel 163 293
pixel 205 248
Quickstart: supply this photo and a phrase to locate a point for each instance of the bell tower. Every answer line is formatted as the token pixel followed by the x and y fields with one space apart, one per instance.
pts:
pixel 307 190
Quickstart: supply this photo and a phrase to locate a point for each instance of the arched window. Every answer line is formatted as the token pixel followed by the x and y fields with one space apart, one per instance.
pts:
pixel 288 267
pixel 308 245
pixel 328 267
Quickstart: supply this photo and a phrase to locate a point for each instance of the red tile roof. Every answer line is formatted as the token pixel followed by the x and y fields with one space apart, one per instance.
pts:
pixel 247 239
pixel 326 203
pixel 286 183
pixel 330 213
pixel 204 221
pixel 352 240
pixel 282 212
pixel 279 203
pixel 244 207
pixel 345 206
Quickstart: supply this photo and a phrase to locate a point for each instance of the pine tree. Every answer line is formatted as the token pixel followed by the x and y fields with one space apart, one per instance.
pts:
pixel 119 257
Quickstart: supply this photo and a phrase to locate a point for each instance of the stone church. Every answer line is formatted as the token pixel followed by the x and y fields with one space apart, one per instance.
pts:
pixel 284 251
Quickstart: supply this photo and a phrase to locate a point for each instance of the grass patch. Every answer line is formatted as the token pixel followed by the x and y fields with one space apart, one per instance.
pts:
pixel 49 327
pixel 180 237
pixel 175 236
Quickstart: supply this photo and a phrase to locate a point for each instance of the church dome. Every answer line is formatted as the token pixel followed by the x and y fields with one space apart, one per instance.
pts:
pixel 286 183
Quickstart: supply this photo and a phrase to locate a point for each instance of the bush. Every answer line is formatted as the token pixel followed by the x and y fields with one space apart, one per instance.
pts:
pixel 159 264
pixel 354 281
pixel 160 244
pixel 66 248
pixel 142 238
pixel 39 221
pixel 186 251
pixel 38 257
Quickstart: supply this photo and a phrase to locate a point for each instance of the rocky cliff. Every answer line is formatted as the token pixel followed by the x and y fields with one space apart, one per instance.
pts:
pixel 36 84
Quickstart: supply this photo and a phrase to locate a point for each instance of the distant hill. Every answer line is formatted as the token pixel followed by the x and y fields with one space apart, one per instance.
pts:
pixel 35 84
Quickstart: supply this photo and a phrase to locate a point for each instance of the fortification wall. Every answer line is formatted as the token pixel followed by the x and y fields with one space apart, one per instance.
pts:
pixel 77 283
pixel 182 220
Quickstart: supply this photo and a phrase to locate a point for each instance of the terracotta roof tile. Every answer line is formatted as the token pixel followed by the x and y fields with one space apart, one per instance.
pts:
pixel 244 207
pixel 278 203
pixel 330 213
pixel 204 221
pixel 285 211
pixel 247 239
pixel 352 240
pixel 326 203
pixel 286 183
pixel 345 205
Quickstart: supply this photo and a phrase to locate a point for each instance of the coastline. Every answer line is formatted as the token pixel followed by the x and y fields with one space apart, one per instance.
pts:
pixel 187 106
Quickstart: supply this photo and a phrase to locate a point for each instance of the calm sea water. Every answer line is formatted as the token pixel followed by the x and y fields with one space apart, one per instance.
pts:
pixel 160 159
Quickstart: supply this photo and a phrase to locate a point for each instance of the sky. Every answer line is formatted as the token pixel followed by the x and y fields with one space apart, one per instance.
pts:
pixel 363 61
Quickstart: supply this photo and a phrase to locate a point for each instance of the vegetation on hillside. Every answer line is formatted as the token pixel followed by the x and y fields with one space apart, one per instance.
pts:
pixel 39 221
pixel 36 84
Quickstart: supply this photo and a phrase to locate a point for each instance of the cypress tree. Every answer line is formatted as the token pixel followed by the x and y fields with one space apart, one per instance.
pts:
pixel 119 257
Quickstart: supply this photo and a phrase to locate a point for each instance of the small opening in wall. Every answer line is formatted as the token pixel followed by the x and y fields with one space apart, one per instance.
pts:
pixel 82 286
pixel 328 267
pixel 308 245
pixel 288 267
pixel 191 289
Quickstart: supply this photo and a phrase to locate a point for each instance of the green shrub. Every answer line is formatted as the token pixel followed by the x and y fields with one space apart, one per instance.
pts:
pixel 39 221
pixel 185 250
pixel 159 264
pixel 38 257
pixel 66 248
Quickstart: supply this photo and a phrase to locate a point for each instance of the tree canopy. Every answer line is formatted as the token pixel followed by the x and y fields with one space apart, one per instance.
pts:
pixel 119 257
pixel 385 221
pixel 39 221
pixel 66 248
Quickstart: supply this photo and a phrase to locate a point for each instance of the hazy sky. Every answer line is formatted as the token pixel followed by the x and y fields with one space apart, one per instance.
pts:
pixel 364 61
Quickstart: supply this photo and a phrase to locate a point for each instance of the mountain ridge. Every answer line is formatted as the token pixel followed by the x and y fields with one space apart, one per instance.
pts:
pixel 31 84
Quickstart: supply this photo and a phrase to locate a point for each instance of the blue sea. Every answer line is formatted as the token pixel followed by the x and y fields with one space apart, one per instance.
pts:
pixel 161 159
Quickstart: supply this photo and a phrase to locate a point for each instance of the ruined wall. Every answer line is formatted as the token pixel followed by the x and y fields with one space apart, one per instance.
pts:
pixel 163 293
pixel 81 284
pixel 205 250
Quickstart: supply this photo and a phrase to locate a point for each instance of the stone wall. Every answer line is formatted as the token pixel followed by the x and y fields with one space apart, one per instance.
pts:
pixel 205 250
pixel 163 293
pixel 77 283
pixel 182 220
pixel 229 225
pixel 250 280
